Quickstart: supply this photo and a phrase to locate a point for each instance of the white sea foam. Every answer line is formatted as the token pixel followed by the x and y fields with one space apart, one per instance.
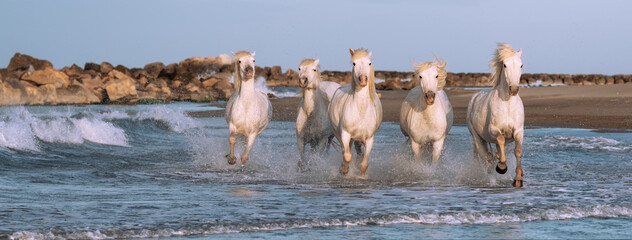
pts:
pixel 20 129
pixel 539 83
pixel 177 120
pixel 15 132
pixel 597 143
pixel 261 85
pixel 562 213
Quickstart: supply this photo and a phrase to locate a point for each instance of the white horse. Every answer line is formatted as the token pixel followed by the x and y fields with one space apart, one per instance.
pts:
pixel 355 111
pixel 497 115
pixel 312 122
pixel 248 111
pixel 426 114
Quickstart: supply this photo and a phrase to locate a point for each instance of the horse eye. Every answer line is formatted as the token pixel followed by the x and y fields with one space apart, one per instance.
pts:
pixel 505 66
pixel 521 66
pixel 314 70
pixel 253 60
pixel 353 64
pixel 437 76
pixel 239 61
pixel 369 64
pixel 299 69
pixel 419 76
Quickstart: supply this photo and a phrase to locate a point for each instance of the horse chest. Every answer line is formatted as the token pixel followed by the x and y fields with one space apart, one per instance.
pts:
pixel 361 123
pixel 427 125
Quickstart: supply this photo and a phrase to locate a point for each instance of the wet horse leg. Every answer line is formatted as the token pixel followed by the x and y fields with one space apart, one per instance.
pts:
pixel 251 141
pixel 368 145
pixel 231 155
pixel 345 141
pixel 501 167
pixel 518 152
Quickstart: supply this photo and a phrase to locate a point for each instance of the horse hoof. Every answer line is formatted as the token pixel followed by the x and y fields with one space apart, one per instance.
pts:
pixel 231 160
pixel 342 170
pixel 301 167
pixel 501 171
pixel 517 183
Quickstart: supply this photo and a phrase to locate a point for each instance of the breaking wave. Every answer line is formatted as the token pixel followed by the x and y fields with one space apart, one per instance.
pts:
pixel 562 213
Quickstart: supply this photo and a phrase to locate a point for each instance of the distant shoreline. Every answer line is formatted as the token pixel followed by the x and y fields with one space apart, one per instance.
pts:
pixel 593 107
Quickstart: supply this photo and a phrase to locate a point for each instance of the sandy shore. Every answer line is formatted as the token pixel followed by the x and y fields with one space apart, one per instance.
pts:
pixel 595 107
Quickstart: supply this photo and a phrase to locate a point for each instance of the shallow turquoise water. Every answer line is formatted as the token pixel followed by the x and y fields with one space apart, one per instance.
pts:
pixel 151 171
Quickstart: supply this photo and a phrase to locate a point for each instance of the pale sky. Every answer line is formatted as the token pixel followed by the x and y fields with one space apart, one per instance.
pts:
pixel 556 36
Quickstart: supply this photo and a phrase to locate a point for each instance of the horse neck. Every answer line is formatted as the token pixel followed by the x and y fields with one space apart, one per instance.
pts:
pixel 362 97
pixel 502 88
pixel 311 99
pixel 247 88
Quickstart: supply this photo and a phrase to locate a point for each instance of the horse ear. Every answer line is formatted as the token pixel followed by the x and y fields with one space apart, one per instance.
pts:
pixel 351 51
pixel 233 53
pixel 253 54
pixel 520 53
pixel 317 61
pixel 370 54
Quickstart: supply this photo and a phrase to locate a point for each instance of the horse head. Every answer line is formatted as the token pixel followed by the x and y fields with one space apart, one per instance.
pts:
pixel 362 68
pixel 431 78
pixel 512 69
pixel 308 74
pixel 245 65
pixel 507 65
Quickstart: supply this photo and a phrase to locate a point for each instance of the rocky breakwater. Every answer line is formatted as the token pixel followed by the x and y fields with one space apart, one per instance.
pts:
pixel 393 80
pixel 31 81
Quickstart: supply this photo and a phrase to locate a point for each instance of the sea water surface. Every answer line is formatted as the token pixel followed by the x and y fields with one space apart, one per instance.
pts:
pixel 151 171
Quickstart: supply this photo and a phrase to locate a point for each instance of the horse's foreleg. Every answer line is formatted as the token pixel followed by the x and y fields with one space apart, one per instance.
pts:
pixel 416 147
pixel 322 143
pixel 251 141
pixel 358 147
pixel 301 149
pixel 437 147
pixel 345 139
pixel 231 155
pixel 480 149
pixel 518 152
pixel 501 167
pixel 368 145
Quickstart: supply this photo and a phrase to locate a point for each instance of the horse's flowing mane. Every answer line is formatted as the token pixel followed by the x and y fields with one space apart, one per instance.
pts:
pixel 237 56
pixel 440 64
pixel 362 53
pixel 503 52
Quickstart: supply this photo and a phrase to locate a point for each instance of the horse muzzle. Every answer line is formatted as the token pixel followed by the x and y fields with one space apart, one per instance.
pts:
pixel 430 98
pixel 513 90
pixel 249 72
pixel 363 81
pixel 302 82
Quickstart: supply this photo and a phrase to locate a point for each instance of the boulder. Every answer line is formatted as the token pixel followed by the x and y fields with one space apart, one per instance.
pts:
pixel 168 72
pixel 154 69
pixel 92 66
pixel 76 94
pixel 73 70
pixel 106 67
pixel 208 83
pixel 47 76
pixel 137 72
pixel 224 88
pixel 24 62
pixel 119 86
pixel 223 60
pixel 10 95
pixel 89 82
pixel 276 73
pixel 124 70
